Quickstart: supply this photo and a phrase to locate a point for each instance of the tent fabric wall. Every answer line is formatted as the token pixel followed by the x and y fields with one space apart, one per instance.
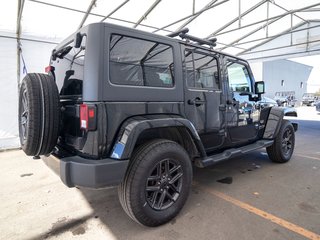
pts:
pixel 8 94
pixel 36 57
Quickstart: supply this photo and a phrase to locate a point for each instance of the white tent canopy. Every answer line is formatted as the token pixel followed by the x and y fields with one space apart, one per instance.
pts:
pixel 255 29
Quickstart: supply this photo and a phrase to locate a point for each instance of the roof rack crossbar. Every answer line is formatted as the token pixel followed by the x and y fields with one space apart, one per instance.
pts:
pixel 174 34
pixel 210 42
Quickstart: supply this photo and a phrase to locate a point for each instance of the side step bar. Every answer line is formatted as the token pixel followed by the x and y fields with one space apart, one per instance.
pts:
pixel 229 153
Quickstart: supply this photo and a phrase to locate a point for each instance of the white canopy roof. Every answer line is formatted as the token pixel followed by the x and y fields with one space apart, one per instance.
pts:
pixel 239 25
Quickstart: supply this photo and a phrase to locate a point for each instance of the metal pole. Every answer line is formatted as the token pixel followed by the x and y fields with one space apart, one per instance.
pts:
pixel 267 27
pixel 312 10
pixel 274 17
pixel 184 18
pixel 239 13
pixel 28 39
pixel 94 14
pixel 93 2
pixel 196 15
pixel 291 29
pixel 147 13
pixel 282 55
pixel 280 34
pixel 193 6
pixel 275 36
pixel 308 36
pixel 18 34
pixel 235 19
pixel 250 33
pixel 115 10
pixel 277 48
pixel 274 3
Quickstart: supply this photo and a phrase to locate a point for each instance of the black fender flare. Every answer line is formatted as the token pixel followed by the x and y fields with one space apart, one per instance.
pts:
pixel 274 121
pixel 133 127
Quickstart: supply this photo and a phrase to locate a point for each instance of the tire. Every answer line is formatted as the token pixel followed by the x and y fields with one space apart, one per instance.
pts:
pixel 282 148
pixel 147 182
pixel 39 114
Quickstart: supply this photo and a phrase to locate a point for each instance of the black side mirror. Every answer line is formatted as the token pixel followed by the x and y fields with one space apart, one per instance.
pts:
pixel 78 40
pixel 259 87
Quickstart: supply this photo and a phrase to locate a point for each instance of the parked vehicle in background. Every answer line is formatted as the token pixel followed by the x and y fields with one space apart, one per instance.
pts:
pixel 317 104
pixel 120 106
pixel 285 98
pixel 267 102
pixel 309 99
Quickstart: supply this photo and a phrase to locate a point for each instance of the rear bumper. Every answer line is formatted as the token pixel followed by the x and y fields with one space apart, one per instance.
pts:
pixel 78 171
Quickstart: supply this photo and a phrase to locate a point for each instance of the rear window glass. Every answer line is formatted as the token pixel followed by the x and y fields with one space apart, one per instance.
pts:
pixel 69 69
pixel 140 62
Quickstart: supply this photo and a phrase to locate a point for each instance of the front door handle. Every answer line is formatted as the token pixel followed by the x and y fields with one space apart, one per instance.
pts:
pixel 232 102
pixel 197 102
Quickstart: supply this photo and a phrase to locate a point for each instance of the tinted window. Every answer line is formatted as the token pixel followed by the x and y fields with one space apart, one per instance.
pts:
pixel 239 78
pixel 139 62
pixel 201 70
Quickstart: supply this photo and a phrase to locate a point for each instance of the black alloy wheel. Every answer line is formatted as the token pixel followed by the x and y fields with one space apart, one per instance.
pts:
pixel 24 115
pixel 287 142
pixel 157 182
pixel 164 184
pixel 283 146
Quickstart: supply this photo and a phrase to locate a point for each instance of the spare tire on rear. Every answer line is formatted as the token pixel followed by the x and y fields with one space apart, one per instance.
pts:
pixel 39 114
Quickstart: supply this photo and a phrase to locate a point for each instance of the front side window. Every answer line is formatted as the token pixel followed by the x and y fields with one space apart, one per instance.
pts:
pixel 140 62
pixel 201 70
pixel 239 78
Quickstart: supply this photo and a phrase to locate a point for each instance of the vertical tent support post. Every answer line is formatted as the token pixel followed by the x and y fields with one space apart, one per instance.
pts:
pixel 18 34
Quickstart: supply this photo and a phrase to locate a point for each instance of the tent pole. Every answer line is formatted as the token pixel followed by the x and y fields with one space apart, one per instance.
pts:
pixel 18 33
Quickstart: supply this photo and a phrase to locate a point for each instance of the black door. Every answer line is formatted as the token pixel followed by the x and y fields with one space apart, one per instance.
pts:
pixel 242 114
pixel 203 95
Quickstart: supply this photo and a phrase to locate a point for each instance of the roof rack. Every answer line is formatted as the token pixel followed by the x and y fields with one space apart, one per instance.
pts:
pixel 183 35
pixel 174 34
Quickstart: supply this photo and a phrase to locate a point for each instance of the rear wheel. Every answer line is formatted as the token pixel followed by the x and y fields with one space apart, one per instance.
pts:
pixel 39 114
pixel 282 148
pixel 157 182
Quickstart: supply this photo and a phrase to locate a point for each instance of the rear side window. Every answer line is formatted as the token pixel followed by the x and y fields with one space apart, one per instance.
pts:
pixel 201 70
pixel 140 62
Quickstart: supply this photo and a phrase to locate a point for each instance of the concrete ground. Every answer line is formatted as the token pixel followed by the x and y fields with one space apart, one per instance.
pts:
pixel 245 198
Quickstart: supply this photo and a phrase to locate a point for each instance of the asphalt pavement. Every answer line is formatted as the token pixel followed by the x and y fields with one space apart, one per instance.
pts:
pixel 248 197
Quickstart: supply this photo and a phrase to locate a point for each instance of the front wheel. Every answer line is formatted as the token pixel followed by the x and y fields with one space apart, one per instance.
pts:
pixel 282 148
pixel 157 182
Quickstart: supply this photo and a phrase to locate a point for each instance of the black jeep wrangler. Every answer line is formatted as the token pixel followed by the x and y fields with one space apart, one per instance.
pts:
pixel 123 106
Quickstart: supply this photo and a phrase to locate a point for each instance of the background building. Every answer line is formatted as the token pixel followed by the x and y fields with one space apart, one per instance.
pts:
pixel 283 76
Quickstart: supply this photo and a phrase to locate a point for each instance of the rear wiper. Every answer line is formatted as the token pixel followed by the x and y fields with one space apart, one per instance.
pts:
pixel 61 52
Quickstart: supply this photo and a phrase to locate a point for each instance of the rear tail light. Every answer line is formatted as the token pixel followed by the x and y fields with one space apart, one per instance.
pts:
pixel 87 117
pixel 49 69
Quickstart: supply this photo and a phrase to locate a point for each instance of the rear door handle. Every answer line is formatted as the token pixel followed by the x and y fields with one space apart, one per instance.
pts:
pixel 197 102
